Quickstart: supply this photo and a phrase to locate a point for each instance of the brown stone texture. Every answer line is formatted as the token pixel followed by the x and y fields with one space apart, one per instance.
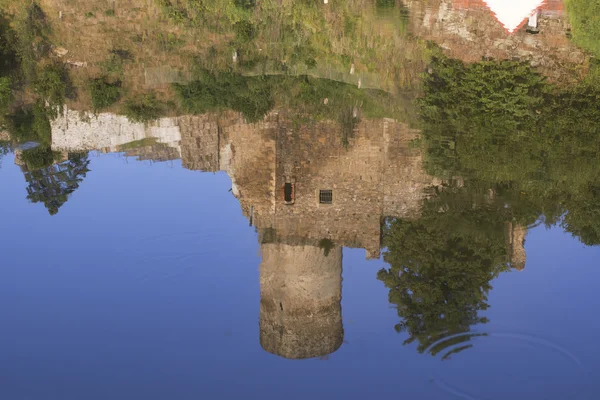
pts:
pixel 300 309
pixel 515 238
pixel 469 31
pixel 158 152
pixel 200 142
pixel 376 174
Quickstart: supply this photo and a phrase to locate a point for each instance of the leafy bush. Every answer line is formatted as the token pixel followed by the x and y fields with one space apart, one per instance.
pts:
pixel 252 96
pixel 104 93
pixel 144 109
pixel 54 86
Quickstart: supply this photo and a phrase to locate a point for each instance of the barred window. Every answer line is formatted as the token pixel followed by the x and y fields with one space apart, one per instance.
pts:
pixel 326 196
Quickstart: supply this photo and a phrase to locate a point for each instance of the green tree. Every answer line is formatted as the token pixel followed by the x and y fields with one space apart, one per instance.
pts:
pixel 104 92
pixel 441 265
pixel 53 184
pixel 511 130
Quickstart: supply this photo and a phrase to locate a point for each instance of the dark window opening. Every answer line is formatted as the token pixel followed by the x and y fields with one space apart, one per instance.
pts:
pixel 326 196
pixel 288 193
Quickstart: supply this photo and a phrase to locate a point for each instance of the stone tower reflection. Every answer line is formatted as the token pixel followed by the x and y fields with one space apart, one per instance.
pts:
pixel 300 307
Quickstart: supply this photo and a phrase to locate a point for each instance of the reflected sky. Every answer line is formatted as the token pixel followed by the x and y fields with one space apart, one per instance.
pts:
pixel 147 285
pixel 299 199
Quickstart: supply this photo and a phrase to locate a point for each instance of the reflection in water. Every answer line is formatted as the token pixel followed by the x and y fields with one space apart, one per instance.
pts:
pixel 310 109
pixel 301 291
pixel 52 185
pixel 338 193
pixel 441 265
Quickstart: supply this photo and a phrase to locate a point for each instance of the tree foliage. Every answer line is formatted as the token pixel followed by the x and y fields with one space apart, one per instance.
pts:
pixel 441 265
pixel 104 92
pixel 513 130
pixel 53 183
pixel 144 108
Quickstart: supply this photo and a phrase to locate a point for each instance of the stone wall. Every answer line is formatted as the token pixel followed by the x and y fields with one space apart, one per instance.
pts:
pixel 76 131
pixel 375 175
pixel 300 307
pixel 468 30
pixel 248 156
pixel 515 241
pixel 200 142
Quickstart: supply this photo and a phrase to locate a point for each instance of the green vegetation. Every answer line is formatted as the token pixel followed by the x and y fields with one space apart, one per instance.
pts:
pixel 310 98
pixel 251 96
pixel 441 265
pixel 5 148
pixel 512 130
pixel 104 93
pixel 33 44
pixel 30 75
pixel 30 123
pixel 524 151
pixel 53 87
pixel 283 36
pixel 5 94
pixel 8 47
pixel 50 183
pixel 144 109
pixel 327 245
pixel 39 157
pixel 110 12
pixel 584 16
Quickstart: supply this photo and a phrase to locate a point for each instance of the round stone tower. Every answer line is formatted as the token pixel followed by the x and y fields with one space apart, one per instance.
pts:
pixel 300 309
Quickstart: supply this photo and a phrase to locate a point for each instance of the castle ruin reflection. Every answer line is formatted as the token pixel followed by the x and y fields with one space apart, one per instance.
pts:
pixel 309 189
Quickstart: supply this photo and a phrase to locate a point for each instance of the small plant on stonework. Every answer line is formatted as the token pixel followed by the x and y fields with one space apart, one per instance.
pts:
pixel 104 93
pixel 90 14
pixel 110 12
pixel 326 245
pixel 144 109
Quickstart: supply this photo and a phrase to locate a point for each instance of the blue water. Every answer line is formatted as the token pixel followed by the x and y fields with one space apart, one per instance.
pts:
pixel 146 286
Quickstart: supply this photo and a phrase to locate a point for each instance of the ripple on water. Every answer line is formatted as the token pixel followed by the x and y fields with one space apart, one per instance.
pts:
pixel 490 366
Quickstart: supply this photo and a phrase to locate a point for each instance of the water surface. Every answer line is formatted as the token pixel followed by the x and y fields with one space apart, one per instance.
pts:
pixel 271 213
